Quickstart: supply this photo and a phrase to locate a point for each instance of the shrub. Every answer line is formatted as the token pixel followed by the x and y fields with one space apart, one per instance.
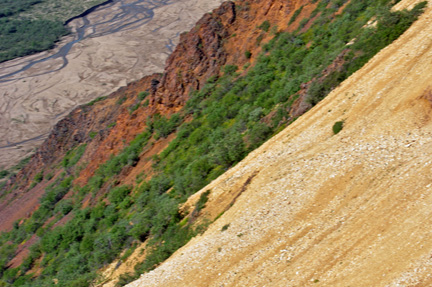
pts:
pixel 98 99
pixel 230 69
pixel 4 173
pixel 92 134
pixel 134 108
pixel 265 26
pixel 143 95
pixel 121 100
pixel 295 15
pixel 200 203
pixel 74 155
pixel 118 194
pixel 225 227
pixel 38 177
pixel 228 117
pixel 338 126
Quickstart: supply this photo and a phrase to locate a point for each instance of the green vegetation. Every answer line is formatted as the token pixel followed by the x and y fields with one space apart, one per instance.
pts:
pixel 73 156
pixel 225 227
pixel 4 173
pixel 337 127
pixel 121 100
pixel 229 117
pixel 25 37
pixel 134 108
pixel 143 95
pixel 162 126
pixel 38 177
pixel 92 134
pixel 202 201
pixel 265 26
pixel 295 15
pixel 31 26
pixel 98 99
pixel 12 171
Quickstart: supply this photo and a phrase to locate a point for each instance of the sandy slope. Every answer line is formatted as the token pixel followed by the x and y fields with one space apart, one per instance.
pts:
pixel 352 209
pixel 32 103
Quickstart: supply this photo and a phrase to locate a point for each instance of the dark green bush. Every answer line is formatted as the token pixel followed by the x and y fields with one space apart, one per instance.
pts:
pixel 4 173
pixel 118 194
pixel 39 177
pixel 143 95
pixel 265 26
pixel 338 126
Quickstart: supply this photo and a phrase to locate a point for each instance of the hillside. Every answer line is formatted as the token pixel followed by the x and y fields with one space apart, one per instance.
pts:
pixel 114 187
pixel 351 209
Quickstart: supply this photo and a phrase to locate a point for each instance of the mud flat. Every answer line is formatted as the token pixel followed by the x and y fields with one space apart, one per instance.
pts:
pixel 117 43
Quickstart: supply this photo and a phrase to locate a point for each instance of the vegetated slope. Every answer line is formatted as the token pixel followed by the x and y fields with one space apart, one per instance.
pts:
pixel 113 173
pixel 325 209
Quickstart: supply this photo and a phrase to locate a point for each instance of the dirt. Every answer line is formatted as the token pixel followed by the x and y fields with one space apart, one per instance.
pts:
pixel 113 271
pixel 351 209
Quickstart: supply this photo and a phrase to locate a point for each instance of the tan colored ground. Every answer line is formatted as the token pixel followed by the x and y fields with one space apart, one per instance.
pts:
pixel 30 104
pixel 352 209
pixel 112 273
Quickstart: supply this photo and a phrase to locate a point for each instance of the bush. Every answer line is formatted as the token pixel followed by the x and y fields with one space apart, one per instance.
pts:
pixel 74 155
pixel 295 15
pixel 98 99
pixel 338 126
pixel 38 177
pixel 118 194
pixel 265 26
pixel 143 95
pixel 201 202
pixel 230 69
pixel 92 134
pixel 4 173
pixel 225 227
